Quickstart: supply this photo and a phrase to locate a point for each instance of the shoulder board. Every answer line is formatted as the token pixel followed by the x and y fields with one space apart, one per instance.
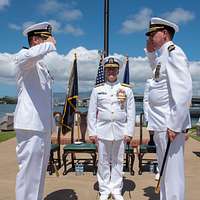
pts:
pixel 100 84
pixel 171 48
pixel 126 85
pixel 25 48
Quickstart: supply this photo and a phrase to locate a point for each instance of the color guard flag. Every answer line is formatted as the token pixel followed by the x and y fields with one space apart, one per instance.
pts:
pixel 71 100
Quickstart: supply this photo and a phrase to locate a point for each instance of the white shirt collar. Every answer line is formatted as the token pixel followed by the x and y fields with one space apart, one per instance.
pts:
pixel 112 84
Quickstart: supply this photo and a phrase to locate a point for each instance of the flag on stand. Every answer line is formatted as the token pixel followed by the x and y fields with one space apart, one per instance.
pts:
pixel 100 74
pixel 71 99
pixel 126 72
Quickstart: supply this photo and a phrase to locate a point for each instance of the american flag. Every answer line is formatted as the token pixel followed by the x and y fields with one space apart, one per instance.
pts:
pixel 100 74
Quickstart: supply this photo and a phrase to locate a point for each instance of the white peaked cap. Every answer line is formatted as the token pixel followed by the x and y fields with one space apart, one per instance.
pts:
pixel 157 23
pixel 37 29
pixel 112 61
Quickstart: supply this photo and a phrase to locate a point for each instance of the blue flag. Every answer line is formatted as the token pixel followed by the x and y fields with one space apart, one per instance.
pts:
pixel 71 100
pixel 126 72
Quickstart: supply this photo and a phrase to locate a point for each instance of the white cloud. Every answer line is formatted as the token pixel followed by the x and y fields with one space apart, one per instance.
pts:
pixel 50 6
pixel 70 15
pixel 21 27
pixel 137 22
pixel 4 3
pixel 14 26
pixel 65 11
pixel 7 67
pixel 179 15
pixel 60 67
pixel 57 27
pixel 73 30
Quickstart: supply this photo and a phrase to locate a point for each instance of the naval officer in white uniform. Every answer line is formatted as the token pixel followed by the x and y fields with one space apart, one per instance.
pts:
pixel 170 94
pixel 33 114
pixel 111 120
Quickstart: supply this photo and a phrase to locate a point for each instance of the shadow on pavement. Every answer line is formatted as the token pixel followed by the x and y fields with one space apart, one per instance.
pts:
pixel 128 186
pixel 65 194
pixel 150 192
pixel 196 153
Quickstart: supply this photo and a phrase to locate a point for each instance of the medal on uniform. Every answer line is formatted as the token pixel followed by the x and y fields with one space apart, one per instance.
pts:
pixel 157 72
pixel 121 96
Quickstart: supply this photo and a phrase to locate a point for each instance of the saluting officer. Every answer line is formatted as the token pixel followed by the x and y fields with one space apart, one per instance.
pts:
pixel 111 119
pixel 33 114
pixel 170 94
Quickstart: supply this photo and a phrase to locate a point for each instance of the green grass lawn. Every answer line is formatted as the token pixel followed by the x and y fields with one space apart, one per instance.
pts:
pixel 6 135
pixel 193 134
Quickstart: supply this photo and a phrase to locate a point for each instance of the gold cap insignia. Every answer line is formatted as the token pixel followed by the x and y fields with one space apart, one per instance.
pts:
pixel 111 60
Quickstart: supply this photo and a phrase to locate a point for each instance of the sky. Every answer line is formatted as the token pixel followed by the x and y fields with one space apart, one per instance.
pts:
pixel 78 28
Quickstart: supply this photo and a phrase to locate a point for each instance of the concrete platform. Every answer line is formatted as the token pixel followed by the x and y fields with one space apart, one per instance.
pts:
pixel 72 187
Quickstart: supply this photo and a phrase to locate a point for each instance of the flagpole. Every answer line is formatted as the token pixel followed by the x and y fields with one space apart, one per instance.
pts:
pixel 77 114
pixel 78 126
pixel 106 28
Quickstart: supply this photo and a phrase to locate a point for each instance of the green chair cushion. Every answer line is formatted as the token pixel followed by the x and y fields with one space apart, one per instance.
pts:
pixel 145 148
pixel 54 147
pixel 128 149
pixel 80 147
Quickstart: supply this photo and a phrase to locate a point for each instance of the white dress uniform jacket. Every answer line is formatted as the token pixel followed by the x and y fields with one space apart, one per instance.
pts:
pixel 34 84
pixel 170 92
pixel 146 99
pixel 108 118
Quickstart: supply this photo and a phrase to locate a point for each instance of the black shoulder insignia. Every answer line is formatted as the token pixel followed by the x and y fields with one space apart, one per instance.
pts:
pixel 126 85
pixel 100 84
pixel 25 48
pixel 171 48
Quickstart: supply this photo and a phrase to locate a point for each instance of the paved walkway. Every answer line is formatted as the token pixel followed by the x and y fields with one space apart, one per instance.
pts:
pixel 71 187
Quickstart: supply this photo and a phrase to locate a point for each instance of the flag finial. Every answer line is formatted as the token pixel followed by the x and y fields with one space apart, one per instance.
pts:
pixel 101 57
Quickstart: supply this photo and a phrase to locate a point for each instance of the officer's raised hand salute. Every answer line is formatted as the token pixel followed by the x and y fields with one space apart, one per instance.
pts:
pixel 150 46
pixel 51 39
pixel 33 114
pixel 170 94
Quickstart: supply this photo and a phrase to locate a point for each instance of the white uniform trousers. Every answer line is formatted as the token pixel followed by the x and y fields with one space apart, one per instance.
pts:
pixel 110 166
pixel 172 181
pixel 33 149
